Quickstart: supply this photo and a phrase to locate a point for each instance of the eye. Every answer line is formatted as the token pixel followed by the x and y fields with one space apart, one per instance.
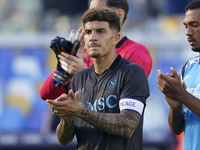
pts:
pixel 100 31
pixel 195 25
pixel 87 31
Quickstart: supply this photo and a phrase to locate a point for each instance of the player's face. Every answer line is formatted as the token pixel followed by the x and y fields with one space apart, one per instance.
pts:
pixel 99 39
pixel 192 25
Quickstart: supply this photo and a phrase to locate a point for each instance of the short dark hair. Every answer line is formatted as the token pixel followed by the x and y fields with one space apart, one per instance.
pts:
pixel 102 14
pixel 195 4
pixel 122 4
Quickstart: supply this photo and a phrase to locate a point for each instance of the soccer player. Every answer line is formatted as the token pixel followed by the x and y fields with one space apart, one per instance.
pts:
pixel 183 96
pixel 127 48
pixel 106 101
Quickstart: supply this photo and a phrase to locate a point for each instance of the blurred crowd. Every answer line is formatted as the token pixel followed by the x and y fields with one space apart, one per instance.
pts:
pixel 19 16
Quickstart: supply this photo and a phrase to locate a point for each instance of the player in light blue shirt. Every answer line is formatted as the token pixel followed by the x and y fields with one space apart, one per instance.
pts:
pixel 190 73
pixel 182 93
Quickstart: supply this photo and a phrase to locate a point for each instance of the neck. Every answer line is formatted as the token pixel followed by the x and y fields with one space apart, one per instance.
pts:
pixel 103 63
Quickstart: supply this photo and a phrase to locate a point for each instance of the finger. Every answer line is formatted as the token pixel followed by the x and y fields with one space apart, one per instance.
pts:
pixel 51 102
pixel 68 57
pixel 81 37
pixel 49 105
pixel 159 82
pixel 183 84
pixel 72 95
pixel 163 76
pixel 63 65
pixel 159 77
pixel 54 47
pixel 63 98
pixel 77 95
pixel 64 45
pixel 67 63
pixel 64 95
pixel 174 73
pixel 159 87
pixel 159 72
pixel 71 36
pixel 65 68
pixel 57 43
pixel 62 55
pixel 78 34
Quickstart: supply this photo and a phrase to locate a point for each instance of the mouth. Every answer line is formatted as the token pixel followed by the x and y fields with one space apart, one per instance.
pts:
pixel 94 45
pixel 191 41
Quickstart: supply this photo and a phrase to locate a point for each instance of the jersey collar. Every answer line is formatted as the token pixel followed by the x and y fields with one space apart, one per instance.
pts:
pixel 121 42
pixel 114 64
pixel 116 61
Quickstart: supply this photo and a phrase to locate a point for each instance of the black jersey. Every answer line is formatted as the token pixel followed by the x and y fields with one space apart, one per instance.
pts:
pixel 103 93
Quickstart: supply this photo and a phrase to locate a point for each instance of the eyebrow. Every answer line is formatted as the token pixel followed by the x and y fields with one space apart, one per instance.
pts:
pixel 100 29
pixel 96 29
pixel 190 22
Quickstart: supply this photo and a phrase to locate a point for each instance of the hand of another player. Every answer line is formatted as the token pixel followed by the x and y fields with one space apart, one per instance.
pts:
pixel 80 37
pixel 170 85
pixel 182 82
pixel 66 106
pixel 174 104
pixel 70 63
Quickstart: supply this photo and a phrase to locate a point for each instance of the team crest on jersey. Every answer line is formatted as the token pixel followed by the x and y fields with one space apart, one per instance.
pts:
pixel 112 83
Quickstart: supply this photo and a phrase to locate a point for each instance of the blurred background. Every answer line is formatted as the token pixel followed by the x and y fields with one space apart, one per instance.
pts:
pixel 26 29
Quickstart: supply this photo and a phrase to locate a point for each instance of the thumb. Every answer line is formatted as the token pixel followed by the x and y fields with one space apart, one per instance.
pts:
pixel 174 73
pixel 72 95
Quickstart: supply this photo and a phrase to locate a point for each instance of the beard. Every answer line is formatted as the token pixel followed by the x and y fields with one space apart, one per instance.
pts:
pixel 192 39
pixel 95 55
pixel 197 49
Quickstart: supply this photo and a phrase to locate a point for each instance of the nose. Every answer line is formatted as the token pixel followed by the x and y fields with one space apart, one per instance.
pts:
pixel 93 37
pixel 189 31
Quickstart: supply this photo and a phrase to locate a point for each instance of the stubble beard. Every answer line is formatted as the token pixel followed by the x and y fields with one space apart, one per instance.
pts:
pixel 95 55
pixel 196 49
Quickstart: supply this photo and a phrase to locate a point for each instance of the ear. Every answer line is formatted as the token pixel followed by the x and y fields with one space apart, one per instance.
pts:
pixel 116 39
pixel 121 13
